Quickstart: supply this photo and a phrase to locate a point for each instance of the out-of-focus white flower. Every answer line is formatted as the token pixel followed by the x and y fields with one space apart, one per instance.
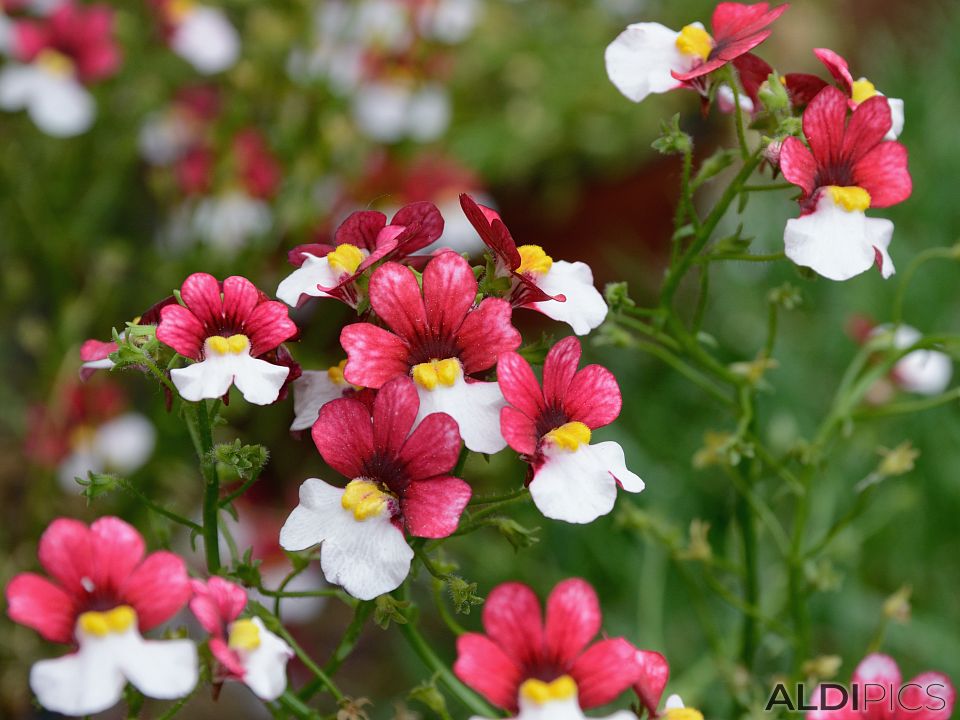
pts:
pixel 392 111
pixel 227 222
pixel 122 445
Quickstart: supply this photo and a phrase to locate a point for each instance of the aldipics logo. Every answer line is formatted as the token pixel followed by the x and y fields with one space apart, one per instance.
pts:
pixel 876 691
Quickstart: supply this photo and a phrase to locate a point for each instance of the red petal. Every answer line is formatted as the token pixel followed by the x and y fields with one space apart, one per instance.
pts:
pixel 449 289
pixel 432 508
pixel 486 332
pixel 519 430
pixel 519 385
pixel 240 297
pixel 753 72
pixel 878 677
pixel 394 410
pixel 731 19
pixel 157 589
pixel 395 297
pixel 66 552
pixel 180 329
pixel 201 294
pixel 432 448
pixel 298 255
pixel 802 87
pixel 484 667
pixel 360 229
pixel 36 602
pixel 883 173
pixel 605 670
pixel 374 355
pixel 217 603
pixel 798 164
pixel 837 67
pixel 428 222
pixel 593 397
pixel 93 350
pixel 573 620
pixel 268 326
pixel 117 549
pixel 869 123
pixel 559 368
pixel 823 124
pixel 932 693
pixel 491 230
pixel 227 658
pixel 343 433
pixel 655 672
pixel 512 619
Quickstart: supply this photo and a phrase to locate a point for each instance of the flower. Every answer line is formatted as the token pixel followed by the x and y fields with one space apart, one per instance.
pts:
pixel 54 59
pixel 551 428
pixel 389 110
pixel 926 372
pixel 653 679
pixel 314 389
pixel 95 354
pixel 546 669
pixel 398 481
pixel 226 334
pixel 559 289
pixel 674 709
pixel 362 240
pixel 201 35
pixel 847 169
pixel 440 339
pixel 884 696
pixel 803 88
pixel 650 58
pixel 103 595
pixel 244 648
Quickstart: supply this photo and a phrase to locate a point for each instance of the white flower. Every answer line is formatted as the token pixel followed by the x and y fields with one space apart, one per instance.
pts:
pixel 926 372
pixel 57 103
pixel 258 380
pixel 165 137
pixel 120 445
pixel 640 60
pixel 584 308
pixel 726 100
pixel 449 21
pixel 206 39
pixel 314 389
pixel 263 655
pixel 391 111
pixel 229 221
pixel 317 272
pixel 556 700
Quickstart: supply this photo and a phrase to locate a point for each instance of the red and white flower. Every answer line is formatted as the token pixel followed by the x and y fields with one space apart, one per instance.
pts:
pixel 362 240
pixel 399 482
pixel 441 339
pixel 314 389
pixel 847 169
pixel 882 695
pixel 546 670
pixel 54 59
pixel 674 709
pixel 226 332
pixel 559 289
pixel 200 34
pixel 551 427
pixel 103 595
pixel 243 647
pixel 650 58
pixel 803 88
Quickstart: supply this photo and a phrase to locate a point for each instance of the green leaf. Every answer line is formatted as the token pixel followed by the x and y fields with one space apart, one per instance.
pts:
pixel 713 166
pixel 388 609
pixel 672 140
pixel 427 693
pixel 463 594
pixel 516 534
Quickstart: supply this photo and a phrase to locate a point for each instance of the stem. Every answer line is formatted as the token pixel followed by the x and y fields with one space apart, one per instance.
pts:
pixel 159 509
pixel 909 406
pixel 461 461
pixel 293 704
pixel 738 112
pixel 211 492
pixel 488 499
pixel 740 257
pixel 797 583
pixel 242 489
pixel 946 253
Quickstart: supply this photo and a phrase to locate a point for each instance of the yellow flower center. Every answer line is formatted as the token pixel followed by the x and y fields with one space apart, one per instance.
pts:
pixel 335 373
pixel 365 499
pixel 850 198
pixel 540 692
pixel 437 372
pixel 101 624
pixel 570 436
pixel 233 345
pixel 683 714
pixel 533 260
pixel 244 635
pixel 862 90
pixel 55 63
pixel 346 258
pixel 178 10
pixel 694 40
pixel 82 436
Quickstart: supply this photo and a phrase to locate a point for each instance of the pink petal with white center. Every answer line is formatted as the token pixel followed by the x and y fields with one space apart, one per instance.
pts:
pixel 476 408
pixel 343 434
pixel 519 430
pixel 655 672
pixel 157 589
pixel 67 554
pixel 593 397
pixel 306 280
pixel 449 289
pixel 486 669
pixel 432 448
pixel 642 58
pixel 311 391
pixel 265 668
pixel 394 411
pixel 573 620
pixel 432 508
pixel 519 385
pixel 267 326
pixel 395 297
pixel 512 619
pixel 928 696
pixel 605 670
pixel 36 602
pixel 217 603
pixel 374 355
pixel 559 369
pixel 117 549
pixel 201 294
pixel 180 329
pixel 207 40
pixel 486 332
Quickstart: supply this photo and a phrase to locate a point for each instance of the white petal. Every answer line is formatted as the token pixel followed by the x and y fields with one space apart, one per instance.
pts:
pixel 581 485
pixel 164 137
pixel 162 669
pixel 366 558
pixel 476 408
pixel 266 667
pixel 16 85
pixel 305 279
pixel 259 380
pixel 61 106
pixel 584 308
pixel 428 115
pixel 210 378
pixel 77 464
pixel 293 610
pixel 449 21
pixel 639 61
pixel 207 40
pixel 927 372
pixel 228 221
pixel 836 243
pixel 725 100
pixel 125 443
pixel 104 364
pixel 568 709
pixel 896 114
pixel 82 683
pixel 381 110
pixel 673 703
pixel 311 391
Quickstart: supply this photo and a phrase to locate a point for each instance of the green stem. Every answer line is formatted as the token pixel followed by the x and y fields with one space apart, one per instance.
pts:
pixel 944 253
pixel 211 492
pixel 797 582
pixel 909 406
pixel 738 112
pixel 242 489
pixel 295 706
pixel 160 510
pixel 740 257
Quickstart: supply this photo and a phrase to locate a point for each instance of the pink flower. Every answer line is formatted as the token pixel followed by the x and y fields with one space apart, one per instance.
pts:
pixel 244 648
pixel 882 695
pixel 559 289
pixel 399 480
pixel 546 669
pixel 362 240
pixel 227 336
pixel 104 593
pixel 847 169
pixel 257 167
pixel 441 339
pixel 551 428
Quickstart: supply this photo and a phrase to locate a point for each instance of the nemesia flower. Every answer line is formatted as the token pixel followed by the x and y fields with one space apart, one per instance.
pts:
pixel 390 110
pixel 314 389
pixel 200 34
pixel 803 88
pixel 882 694
pixel 103 595
pixel 95 354
pixel 447 21
pixel 54 59
pixel 399 482
pixel 362 240
pixel 752 72
pixel 847 169
pixel 243 648
pixel 655 672
pixel 650 58
pixel 440 338
pixel 548 670
pixel 674 709
pixel 559 289
pixel 572 480
pixel 926 372
pixel 226 333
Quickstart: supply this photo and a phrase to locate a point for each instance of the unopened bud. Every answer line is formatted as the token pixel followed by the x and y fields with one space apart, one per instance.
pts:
pixel 897 606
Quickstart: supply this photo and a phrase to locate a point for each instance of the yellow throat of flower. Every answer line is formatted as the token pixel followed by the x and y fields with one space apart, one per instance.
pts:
pixel 693 40
pixel 244 635
pixel 335 373
pixel 364 499
pixel 178 10
pixel 570 435
pixel 233 345
pixel 540 692
pixel 437 372
pixel 346 258
pixel 101 624
pixel 683 714
pixel 862 90
pixel 851 198
pixel 533 260
pixel 55 63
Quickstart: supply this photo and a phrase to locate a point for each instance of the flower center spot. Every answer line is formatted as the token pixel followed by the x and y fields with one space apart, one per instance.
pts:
pixel 540 692
pixel 178 10
pixel 695 41
pixel 101 624
pixel 533 260
pixel 850 198
pixel 244 635
pixel 233 345
pixel 570 435
pixel 346 258
pixel 862 90
pixel 54 62
pixel 683 714
pixel 364 499
pixel 437 372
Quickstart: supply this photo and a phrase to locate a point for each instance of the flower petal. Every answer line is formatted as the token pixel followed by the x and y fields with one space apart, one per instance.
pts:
pixel 201 294
pixel 162 669
pixel 240 297
pixel 559 368
pixel 868 124
pixel 267 326
pixel 266 667
pixel 61 106
pixel 258 380
pixel 485 333
pixel 798 165
pixel 573 620
pixel 343 434
pixel 513 620
pixel 157 589
pixel 605 670
pixel 576 487
pixel 66 552
pixel 360 229
pixel 449 289
pixel 432 448
pixel 216 603
pixel 207 40
pixel 306 280
pixel 593 397
pixel 125 443
pixel 374 355
pixel 928 696
pixel 207 379
pixel 36 602
pixel 432 508
pixel 641 59
pixel 485 668
pixel 395 297
pixel 426 218
pixel 180 329
pixel 837 67
pixel 883 173
pixel 655 672
pixel 394 411
pixel 78 684
pixel 519 430
pixel 311 391
pixel 824 122
pixel 491 230
pixel 584 308
pixel 476 408
pixel 117 549
pixel 519 385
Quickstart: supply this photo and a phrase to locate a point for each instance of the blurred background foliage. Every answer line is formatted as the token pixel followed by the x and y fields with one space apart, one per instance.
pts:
pixel 536 126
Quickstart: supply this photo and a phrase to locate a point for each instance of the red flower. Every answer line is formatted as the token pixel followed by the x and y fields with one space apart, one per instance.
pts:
pixel 520 649
pixel 257 167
